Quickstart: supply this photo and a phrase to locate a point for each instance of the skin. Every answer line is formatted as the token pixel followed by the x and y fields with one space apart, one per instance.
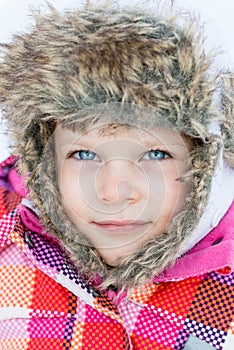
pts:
pixel 121 189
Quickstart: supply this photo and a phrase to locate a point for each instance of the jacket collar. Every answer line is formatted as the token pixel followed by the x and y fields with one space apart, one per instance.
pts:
pixel 215 252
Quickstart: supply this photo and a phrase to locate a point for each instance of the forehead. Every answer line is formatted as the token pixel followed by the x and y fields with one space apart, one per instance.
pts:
pixel 114 132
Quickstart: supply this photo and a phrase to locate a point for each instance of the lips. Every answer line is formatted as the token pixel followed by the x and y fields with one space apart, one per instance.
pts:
pixel 122 226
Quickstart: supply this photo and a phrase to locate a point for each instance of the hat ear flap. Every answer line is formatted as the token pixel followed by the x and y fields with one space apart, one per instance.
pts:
pixel 227 108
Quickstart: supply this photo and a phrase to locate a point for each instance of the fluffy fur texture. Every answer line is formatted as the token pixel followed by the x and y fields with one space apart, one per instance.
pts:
pixel 82 58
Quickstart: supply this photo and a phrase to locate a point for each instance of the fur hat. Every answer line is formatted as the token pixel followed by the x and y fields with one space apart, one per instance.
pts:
pixel 80 59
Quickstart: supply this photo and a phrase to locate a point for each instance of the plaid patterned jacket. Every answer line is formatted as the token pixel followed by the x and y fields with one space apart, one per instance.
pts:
pixel 45 305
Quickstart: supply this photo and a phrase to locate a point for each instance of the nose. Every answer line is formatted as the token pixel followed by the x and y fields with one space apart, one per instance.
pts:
pixel 119 181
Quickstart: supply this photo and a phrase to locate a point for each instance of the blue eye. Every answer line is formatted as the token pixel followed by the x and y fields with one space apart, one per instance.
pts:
pixel 84 155
pixel 156 154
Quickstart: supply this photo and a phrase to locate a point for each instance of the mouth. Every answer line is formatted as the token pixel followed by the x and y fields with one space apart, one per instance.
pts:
pixel 122 226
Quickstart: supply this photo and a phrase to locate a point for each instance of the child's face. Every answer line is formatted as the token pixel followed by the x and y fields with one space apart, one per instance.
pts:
pixel 121 189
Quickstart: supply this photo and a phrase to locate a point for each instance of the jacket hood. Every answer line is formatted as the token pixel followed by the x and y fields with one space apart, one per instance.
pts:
pixel 73 64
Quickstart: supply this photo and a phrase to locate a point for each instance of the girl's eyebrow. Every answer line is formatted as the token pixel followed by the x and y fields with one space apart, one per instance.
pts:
pixel 82 140
pixel 68 145
pixel 164 144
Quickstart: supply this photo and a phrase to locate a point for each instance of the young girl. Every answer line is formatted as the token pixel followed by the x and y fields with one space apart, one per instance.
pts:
pixel 116 208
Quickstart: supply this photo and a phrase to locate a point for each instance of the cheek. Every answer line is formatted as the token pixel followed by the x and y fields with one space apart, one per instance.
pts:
pixel 165 193
pixel 69 187
pixel 160 180
pixel 175 195
pixel 77 186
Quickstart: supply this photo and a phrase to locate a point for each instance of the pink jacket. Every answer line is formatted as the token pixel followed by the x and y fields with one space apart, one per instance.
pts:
pixel 45 304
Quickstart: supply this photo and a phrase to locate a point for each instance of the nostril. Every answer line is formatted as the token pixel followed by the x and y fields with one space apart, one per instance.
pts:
pixel 217 241
pixel 124 189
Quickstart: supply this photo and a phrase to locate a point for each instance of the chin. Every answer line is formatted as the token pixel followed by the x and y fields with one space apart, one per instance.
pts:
pixel 111 259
